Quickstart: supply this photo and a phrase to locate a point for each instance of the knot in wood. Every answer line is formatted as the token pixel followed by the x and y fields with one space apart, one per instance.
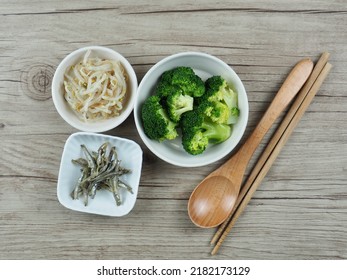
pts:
pixel 37 81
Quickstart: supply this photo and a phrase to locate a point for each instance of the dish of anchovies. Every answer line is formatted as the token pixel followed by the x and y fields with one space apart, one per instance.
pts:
pixel 100 170
pixel 99 174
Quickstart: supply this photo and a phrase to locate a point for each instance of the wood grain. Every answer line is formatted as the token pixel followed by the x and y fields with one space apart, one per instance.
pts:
pixel 299 211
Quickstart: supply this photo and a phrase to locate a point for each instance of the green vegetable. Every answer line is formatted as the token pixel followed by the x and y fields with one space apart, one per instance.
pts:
pixel 198 130
pixel 180 79
pixel 219 93
pixel 156 122
pixel 217 111
pixel 177 104
pixel 234 115
pixel 203 112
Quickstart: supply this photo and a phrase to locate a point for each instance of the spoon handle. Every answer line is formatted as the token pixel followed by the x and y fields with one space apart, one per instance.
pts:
pixel 291 86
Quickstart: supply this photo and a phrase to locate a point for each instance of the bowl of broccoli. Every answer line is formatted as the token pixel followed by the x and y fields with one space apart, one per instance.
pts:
pixel 191 109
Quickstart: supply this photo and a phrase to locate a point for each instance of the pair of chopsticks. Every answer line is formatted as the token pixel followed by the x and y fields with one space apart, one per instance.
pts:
pixel 263 165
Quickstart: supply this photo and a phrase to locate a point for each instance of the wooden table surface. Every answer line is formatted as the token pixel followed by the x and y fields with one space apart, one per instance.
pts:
pixel 298 212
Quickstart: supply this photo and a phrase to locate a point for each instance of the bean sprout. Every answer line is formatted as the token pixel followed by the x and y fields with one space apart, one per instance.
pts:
pixel 95 88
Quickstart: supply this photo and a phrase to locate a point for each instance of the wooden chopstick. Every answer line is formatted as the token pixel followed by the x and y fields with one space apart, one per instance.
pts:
pixel 272 150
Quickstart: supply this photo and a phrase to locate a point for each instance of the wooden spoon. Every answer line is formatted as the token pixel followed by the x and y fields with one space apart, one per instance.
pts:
pixel 214 198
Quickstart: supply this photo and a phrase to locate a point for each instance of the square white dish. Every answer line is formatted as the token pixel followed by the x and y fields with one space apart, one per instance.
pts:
pixel 130 154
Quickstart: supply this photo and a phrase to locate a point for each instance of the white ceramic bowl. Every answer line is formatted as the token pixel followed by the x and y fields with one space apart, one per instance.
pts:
pixel 64 109
pixel 103 203
pixel 205 66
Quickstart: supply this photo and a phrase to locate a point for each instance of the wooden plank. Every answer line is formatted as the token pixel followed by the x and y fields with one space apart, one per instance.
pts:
pixel 299 211
pixel 70 234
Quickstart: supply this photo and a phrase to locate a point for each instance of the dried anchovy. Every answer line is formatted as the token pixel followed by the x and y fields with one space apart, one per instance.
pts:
pixel 100 170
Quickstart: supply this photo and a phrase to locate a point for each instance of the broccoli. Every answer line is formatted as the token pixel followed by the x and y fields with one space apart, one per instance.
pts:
pixel 218 91
pixel 217 111
pixel 156 123
pixel 181 79
pixel 202 111
pixel 198 130
pixel 234 115
pixel 177 104
pixel 164 89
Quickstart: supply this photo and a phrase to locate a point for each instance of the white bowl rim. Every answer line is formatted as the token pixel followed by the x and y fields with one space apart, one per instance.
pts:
pixel 148 141
pixel 95 126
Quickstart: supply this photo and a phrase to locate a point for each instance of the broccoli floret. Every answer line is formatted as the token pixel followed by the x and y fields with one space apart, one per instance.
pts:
pixel 198 130
pixel 194 143
pixel 191 84
pixel 156 123
pixel 183 70
pixel 177 104
pixel 218 91
pixel 182 79
pixel 164 89
pixel 234 115
pixel 217 111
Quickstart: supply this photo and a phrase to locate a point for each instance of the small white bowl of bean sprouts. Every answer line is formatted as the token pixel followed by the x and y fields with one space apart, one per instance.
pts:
pixel 94 89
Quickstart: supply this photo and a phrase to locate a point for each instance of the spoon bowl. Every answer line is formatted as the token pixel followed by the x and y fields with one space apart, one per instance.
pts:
pixel 214 198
